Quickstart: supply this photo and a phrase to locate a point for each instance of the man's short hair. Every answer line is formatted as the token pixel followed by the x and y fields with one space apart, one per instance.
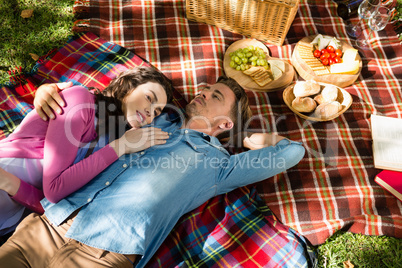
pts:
pixel 240 112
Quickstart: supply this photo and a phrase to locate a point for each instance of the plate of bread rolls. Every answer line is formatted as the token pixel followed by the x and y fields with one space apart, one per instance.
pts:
pixel 317 101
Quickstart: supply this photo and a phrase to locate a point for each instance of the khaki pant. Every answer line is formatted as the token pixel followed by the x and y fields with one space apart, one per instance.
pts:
pixel 38 244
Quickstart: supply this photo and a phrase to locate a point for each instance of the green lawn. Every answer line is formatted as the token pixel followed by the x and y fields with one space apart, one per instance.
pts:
pixel 48 28
pixel 51 26
pixel 361 251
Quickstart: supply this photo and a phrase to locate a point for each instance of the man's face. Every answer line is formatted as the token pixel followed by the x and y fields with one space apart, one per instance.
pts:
pixel 211 108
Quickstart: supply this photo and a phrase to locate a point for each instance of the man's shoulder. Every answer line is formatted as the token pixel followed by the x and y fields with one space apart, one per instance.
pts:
pixel 167 119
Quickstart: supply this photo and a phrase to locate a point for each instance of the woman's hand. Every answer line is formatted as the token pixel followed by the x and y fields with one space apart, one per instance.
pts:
pixel 135 140
pixel 9 182
pixel 48 100
pixel 260 140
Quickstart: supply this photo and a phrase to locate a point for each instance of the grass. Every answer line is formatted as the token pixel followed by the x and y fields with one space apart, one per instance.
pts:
pixel 50 28
pixel 361 251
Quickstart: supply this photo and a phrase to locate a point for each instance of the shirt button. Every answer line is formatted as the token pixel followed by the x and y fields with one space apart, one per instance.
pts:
pixel 89 200
pixel 107 183
pixel 186 131
pixel 195 147
pixel 125 165
pixel 170 133
pixel 142 153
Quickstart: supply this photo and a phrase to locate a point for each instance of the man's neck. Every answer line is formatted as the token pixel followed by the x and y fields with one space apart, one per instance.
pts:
pixel 193 125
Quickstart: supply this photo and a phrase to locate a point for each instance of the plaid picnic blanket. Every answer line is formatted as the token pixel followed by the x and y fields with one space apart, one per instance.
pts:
pixel 232 229
pixel 333 187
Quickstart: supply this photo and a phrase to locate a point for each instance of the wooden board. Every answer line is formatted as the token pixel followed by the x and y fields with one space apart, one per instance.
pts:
pixel 344 98
pixel 246 81
pixel 340 80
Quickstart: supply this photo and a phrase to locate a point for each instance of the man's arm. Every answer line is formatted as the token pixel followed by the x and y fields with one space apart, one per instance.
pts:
pixel 256 165
pixel 48 100
pixel 254 141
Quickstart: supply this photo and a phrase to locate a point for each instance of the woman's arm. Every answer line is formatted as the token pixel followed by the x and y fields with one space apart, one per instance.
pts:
pixel 64 135
pixel 48 101
pixel 21 192
pixel 9 182
pixel 77 175
pixel 63 138
pixel 136 140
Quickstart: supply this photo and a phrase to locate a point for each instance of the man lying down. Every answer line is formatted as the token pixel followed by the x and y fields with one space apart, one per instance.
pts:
pixel 123 215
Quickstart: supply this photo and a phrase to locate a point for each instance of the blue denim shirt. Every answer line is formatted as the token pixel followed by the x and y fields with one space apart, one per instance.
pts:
pixel 132 205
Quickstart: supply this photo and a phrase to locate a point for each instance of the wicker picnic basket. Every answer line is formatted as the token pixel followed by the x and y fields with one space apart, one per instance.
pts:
pixel 266 20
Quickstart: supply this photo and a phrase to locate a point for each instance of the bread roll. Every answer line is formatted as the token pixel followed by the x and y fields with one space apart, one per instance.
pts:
pixel 304 104
pixel 328 109
pixel 306 88
pixel 319 99
pixel 330 93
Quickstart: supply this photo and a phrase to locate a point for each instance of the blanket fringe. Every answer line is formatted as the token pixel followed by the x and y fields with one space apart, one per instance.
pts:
pixel 81 11
pixel 16 75
pixel 80 26
pixel 20 81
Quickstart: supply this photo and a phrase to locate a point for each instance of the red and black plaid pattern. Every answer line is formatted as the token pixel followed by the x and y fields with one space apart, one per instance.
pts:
pixel 231 229
pixel 333 186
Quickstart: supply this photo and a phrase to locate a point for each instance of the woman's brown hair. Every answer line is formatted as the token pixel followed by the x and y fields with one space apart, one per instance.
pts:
pixel 109 101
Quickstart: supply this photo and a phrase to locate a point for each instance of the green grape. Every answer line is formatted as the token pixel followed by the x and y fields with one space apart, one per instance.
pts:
pixel 244 58
pixel 233 64
pixel 240 54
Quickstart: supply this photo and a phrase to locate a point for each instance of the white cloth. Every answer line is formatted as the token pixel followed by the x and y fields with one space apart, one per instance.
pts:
pixel 28 170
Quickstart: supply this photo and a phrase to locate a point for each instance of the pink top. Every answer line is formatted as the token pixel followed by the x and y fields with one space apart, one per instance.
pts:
pixel 57 142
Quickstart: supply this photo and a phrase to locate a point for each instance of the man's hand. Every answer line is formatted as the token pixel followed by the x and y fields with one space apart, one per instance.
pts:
pixel 48 100
pixel 135 140
pixel 260 140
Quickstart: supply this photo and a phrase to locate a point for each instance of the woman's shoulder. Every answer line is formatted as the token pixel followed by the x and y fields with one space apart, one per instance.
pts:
pixel 77 94
pixel 76 90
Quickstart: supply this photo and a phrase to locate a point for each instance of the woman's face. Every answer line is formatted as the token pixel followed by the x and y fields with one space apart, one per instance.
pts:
pixel 143 104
